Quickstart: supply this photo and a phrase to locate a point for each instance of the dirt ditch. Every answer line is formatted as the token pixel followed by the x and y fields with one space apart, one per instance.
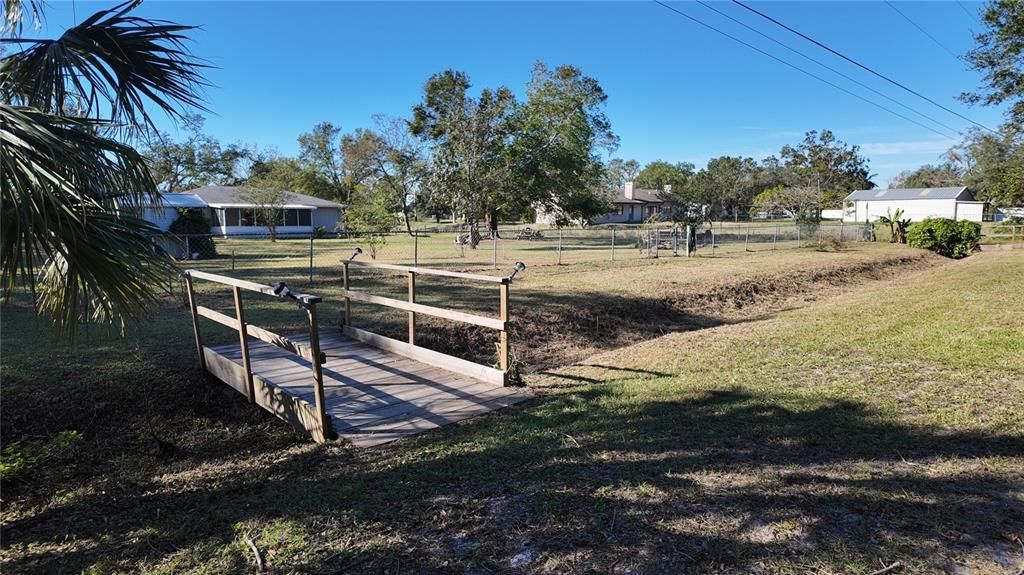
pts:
pixel 550 330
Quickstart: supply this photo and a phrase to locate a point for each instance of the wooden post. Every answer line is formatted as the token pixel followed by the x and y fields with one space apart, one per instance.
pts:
pixel 243 341
pixel 503 315
pixel 348 301
pixel 412 314
pixel 326 430
pixel 195 319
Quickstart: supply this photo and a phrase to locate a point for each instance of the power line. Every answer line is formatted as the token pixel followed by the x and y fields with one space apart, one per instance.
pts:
pixel 862 66
pixel 923 31
pixel 799 69
pixel 966 11
pixel 827 67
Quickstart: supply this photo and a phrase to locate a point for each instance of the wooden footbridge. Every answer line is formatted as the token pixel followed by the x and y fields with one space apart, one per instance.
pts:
pixel 351 383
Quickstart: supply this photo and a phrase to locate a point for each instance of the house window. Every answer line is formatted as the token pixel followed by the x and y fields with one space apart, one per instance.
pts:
pixel 622 210
pixel 229 217
pixel 293 217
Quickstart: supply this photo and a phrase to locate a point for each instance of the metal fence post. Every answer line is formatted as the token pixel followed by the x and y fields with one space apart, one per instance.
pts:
pixel 188 249
pixel 416 248
pixel 712 243
pixel 310 258
pixel 841 223
pixel 775 237
pixel 798 235
pixel 494 251
pixel 613 243
pixel 746 239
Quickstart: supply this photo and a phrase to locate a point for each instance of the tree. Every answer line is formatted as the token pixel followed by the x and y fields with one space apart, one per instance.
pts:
pixel 800 203
pixel 268 205
pixel 70 189
pixel 619 171
pixel 286 173
pixel 730 181
pixel 399 162
pixel 999 55
pixel 359 150
pixel 658 174
pixel 897 226
pixel 993 166
pixel 690 203
pixel 827 164
pixel 929 176
pixel 471 164
pixel 198 160
pixel 320 150
pixel 372 215
pixel 559 135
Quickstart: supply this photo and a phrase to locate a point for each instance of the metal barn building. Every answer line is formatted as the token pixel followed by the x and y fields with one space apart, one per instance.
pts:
pixel 956 203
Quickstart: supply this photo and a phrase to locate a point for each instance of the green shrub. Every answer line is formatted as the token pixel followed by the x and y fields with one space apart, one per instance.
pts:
pixel 192 222
pixel 319 232
pixel 945 236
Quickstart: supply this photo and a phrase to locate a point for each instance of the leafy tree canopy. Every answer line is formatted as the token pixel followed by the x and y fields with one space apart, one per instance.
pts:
pixel 659 173
pixel 930 176
pixel 999 55
pixel 823 162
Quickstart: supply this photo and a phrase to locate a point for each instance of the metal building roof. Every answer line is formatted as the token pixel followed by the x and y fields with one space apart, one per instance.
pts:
pixel 953 193
pixel 229 196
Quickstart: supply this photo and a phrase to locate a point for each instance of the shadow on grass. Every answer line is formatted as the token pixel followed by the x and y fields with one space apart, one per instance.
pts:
pixel 719 482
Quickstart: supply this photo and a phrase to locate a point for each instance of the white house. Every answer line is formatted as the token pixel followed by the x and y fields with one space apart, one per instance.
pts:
pixel 956 203
pixel 231 215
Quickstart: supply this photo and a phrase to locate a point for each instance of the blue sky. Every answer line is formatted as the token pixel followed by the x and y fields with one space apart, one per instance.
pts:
pixel 676 91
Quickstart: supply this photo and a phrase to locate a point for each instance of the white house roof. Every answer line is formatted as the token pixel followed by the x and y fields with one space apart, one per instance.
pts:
pixel 228 196
pixel 953 193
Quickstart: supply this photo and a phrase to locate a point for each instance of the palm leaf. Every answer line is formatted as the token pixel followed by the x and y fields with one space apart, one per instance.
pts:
pixel 69 190
pixel 14 12
pixel 62 203
pixel 109 66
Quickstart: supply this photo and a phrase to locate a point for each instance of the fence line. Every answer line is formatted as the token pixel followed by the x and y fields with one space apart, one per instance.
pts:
pixel 299 259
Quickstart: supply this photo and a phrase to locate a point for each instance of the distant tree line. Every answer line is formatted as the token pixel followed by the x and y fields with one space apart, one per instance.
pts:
pixel 478 157
pixel 800 181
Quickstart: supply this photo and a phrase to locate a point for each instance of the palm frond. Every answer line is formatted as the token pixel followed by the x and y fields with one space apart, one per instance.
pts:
pixel 67 202
pixel 14 12
pixel 109 66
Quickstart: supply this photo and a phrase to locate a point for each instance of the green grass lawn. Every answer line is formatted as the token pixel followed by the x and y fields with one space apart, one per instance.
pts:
pixel 880 424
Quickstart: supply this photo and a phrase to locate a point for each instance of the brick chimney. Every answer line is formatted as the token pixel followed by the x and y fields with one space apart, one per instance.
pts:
pixel 628 190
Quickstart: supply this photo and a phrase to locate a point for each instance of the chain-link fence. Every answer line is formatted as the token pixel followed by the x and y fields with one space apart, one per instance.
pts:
pixel 296 259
